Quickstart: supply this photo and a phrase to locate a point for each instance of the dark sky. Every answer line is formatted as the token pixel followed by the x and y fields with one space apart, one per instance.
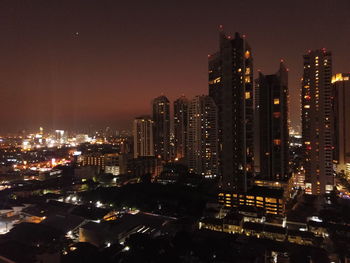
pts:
pixel 76 63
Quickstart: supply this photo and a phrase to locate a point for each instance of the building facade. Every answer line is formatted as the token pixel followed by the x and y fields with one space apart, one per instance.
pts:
pixel 341 91
pixel 316 97
pixel 273 125
pixel 161 128
pixel 101 161
pixel 143 136
pixel 231 87
pixel 202 139
pixel 180 127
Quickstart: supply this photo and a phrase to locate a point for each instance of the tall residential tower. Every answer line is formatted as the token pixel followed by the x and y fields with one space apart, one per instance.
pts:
pixel 231 87
pixel 143 136
pixel 180 126
pixel 273 125
pixel 161 127
pixel 202 140
pixel 317 121
pixel 341 91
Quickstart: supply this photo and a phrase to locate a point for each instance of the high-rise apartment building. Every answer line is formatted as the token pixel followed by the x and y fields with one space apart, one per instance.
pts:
pixel 272 108
pixel 161 127
pixel 180 126
pixel 143 136
pixel 202 139
pixel 317 121
pixel 341 95
pixel 231 87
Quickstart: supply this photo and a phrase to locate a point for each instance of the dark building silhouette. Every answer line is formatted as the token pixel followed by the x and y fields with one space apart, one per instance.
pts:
pixel 161 127
pixel 317 121
pixel 231 87
pixel 180 126
pixel 272 110
pixel 341 91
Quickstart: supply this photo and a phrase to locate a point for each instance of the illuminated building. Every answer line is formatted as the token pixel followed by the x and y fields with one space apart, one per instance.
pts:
pixel 26 145
pixel 112 169
pixel 82 138
pixel 111 161
pixel 231 87
pixel 299 179
pixel 250 226
pixel 161 127
pixel 143 136
pixel 341 89
pixel 285 184
pixel 273 125
pixel 202 137
pixel 60 136
pixel 272 201
pixel 180 126
pixel 317 122
pixel 93 160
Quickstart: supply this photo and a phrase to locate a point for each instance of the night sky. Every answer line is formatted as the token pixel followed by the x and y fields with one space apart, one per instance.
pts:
pixel 72 64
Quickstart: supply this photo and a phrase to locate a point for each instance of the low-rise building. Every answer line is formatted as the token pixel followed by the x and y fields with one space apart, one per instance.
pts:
pixel 270 199
pixel 116 231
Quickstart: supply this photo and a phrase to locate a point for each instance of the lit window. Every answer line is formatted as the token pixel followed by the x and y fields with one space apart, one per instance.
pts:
pixel 217 80
pixel 307 106
pixel 276 114
pixel 271 200
pixel 277 142
pixel 276 101
pixel 247 95
pixel 247 54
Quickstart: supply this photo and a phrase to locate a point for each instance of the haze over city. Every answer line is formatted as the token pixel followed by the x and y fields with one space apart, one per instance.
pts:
pixel 74 64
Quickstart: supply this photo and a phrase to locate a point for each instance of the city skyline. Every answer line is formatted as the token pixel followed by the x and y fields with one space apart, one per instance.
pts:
pixel 174 131
pixel 70 66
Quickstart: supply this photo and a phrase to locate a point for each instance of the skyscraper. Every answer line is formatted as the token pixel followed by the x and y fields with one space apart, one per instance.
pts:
pixel 341 91
pixel 273 125
pixel 161 127
pixel 202 140
pixel 231 87
pixel 143 136
pixel 180 126
pixel 317 121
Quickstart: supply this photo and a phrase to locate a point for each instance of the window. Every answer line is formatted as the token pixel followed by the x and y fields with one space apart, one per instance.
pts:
pixel 217 80
pixel 271 200
pixel 277 142
pixel 276 101
pixel 276 114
